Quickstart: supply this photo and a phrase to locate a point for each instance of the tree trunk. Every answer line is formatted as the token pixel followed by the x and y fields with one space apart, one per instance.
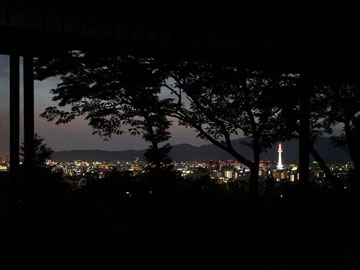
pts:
pixel 339 187
pixel 353 146
pixel 154 142
pixel 304 136
pixel 254 176
pixel 254 180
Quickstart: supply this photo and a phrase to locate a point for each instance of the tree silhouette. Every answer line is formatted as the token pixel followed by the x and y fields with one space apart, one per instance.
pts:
pixel 113 94
pixel 41 150
pixel 319 125
pixel 343 109
pixel 331 104
pixel 225 101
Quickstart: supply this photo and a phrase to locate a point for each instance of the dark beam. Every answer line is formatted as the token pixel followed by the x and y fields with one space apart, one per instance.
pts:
pixel 14 112
pixel 14 148
pixel 14 137
pixel 28 113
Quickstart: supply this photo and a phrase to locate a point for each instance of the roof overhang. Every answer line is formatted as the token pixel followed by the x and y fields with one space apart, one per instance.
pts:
pixel 322 39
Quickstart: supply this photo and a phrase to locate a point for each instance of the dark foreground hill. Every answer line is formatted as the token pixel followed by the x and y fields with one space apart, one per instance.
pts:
pixel 187 152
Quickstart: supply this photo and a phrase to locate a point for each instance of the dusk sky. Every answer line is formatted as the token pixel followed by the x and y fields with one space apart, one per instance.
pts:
pixel 77 134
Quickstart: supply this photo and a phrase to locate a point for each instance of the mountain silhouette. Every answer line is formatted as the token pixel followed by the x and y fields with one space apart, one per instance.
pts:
pixel 204 153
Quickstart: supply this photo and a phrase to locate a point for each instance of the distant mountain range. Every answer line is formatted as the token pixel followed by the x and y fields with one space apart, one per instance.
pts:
pixel 204 153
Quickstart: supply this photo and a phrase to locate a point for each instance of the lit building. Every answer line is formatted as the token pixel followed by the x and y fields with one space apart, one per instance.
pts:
pixel 229 173
pixel 279 165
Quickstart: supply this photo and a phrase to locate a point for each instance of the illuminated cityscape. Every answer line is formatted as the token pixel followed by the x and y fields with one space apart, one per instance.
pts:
pixel 221 172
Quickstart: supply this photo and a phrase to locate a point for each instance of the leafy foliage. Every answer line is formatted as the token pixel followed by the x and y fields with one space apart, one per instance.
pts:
pixel 224 101
pixel 112 93
pixel 227 101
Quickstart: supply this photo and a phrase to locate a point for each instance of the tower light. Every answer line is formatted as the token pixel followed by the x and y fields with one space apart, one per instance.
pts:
pixel 279 165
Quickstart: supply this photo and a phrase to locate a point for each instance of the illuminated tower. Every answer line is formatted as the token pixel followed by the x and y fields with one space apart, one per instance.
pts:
pixel 279 165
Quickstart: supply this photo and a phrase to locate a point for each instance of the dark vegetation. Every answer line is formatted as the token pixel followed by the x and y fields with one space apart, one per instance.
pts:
pixel 158 219
pixel 161 220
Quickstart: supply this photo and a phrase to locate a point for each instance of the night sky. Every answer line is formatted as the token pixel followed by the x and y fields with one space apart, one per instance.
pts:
pixel 77 134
